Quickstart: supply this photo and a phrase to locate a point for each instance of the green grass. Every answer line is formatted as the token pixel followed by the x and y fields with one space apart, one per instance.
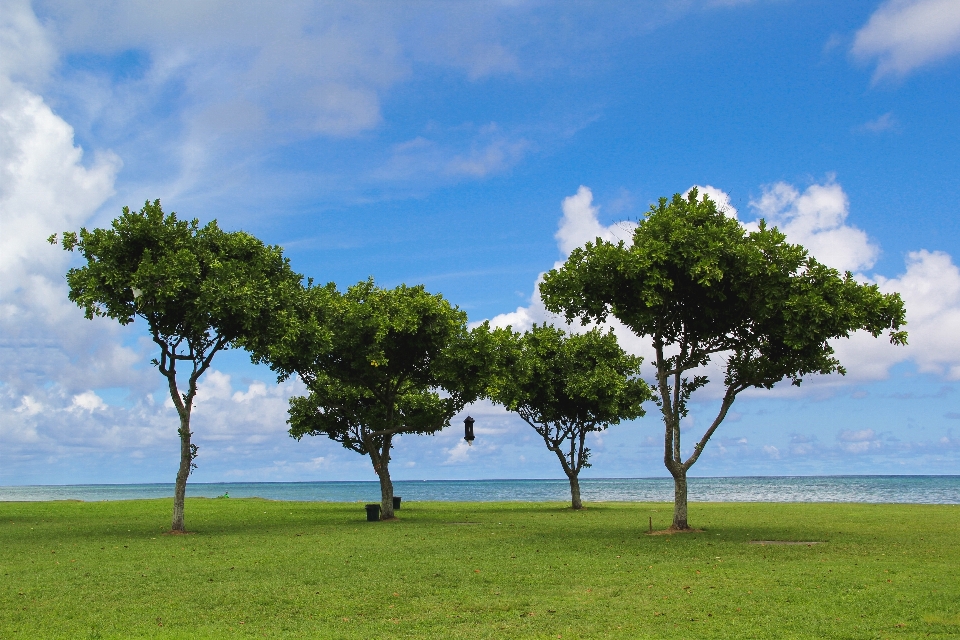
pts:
pixel 256 568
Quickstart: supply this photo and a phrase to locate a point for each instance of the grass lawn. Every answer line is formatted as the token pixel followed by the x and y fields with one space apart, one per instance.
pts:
pixel 260 569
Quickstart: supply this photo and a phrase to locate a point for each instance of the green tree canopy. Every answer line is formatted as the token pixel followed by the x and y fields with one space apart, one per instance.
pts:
pixel 200 290
pixel 566 386
pixel 697 284
pixel 379 363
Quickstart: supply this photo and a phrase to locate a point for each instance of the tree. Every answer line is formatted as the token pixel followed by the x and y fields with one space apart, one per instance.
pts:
pixel 200 289
pixel 566 386
pixel 379 363
pixel 698 285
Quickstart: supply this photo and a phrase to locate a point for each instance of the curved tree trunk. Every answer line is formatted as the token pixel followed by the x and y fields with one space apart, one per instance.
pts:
pixel 186 460
pixel 381 464
pixel 680 500
pixel 575 491
pixel 571 471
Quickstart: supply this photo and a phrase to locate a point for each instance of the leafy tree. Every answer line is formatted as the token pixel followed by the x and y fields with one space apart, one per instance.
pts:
pixel 200 289
pixel 566 386
pixel 379 363
pixel 698 285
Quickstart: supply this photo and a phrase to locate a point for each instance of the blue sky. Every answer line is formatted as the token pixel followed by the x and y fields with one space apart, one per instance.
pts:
pixel 469 146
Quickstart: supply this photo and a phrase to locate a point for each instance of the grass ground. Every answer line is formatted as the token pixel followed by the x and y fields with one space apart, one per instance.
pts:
pixel 256 568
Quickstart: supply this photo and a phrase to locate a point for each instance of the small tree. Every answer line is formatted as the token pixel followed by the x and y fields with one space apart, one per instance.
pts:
pixel 566 386
pixel 698 285
pixel 201 290
pixel 379 363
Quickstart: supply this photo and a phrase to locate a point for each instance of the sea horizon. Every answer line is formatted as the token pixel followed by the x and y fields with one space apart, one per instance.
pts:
pixel 872 488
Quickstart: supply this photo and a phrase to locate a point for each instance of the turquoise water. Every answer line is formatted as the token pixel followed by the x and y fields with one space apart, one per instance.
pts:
pixel 905 489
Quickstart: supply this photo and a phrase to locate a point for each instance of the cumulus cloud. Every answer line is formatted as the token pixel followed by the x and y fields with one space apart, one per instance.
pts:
pixel 720 197
pixel 930 288
pixel 903 35
pixel 44 184
pixel 47 406
pixel 88 401
pixel 816 218
pixel 46 187
pixel 78 388
pixel 579 224
pixel 27 53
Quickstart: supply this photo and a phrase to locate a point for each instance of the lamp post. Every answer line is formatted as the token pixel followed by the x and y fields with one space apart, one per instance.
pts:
pixel 468 430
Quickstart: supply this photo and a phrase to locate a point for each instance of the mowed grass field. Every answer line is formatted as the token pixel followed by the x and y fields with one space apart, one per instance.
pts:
pixel 261 569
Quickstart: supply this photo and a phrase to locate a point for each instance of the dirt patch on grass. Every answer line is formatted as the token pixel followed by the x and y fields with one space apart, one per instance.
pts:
pixel 671 531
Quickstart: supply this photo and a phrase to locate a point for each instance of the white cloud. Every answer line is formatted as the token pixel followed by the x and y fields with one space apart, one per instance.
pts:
pixel 88 401
pixel 237 419
pixel 295 69
pixel 29 406
pixel 720 197
pixel 207 87
pixel 458 453
pixel 579 224
pixel 525 317
pixel 816 219
pixel 903 35
pixel 214 385
pixel 930 288
pixel 45 187
pixel 859 442
pixel 26 53
pixel 256 390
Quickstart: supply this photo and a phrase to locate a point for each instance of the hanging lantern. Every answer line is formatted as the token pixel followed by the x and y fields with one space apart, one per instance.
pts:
pixel 468 430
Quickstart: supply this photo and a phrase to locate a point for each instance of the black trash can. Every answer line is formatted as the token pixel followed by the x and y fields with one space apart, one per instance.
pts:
pixel 373 513
pixel 396 502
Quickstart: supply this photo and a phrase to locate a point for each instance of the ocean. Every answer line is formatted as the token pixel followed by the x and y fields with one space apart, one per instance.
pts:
pixel 890 489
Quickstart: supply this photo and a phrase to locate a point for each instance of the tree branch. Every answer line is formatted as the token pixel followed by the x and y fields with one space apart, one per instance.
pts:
pixel 728 399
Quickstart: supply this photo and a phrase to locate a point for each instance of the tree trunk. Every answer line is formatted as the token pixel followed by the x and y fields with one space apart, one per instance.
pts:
pixel 186 460
pixel 575 491
pixel 680 499
pixel 381 464
pixel 386 493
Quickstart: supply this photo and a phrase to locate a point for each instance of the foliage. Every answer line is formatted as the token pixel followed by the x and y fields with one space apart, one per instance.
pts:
pixel 525 570
pixel 698 285
pixel 200 290
pixel 379 363
pixel 566 386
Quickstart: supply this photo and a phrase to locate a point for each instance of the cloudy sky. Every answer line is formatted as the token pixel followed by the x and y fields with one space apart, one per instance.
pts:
pixel 470 146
